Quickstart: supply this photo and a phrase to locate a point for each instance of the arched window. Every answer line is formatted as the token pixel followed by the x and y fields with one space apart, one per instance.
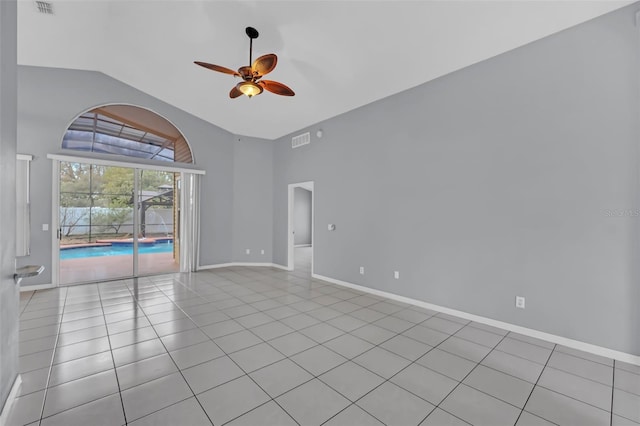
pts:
pixel 129 131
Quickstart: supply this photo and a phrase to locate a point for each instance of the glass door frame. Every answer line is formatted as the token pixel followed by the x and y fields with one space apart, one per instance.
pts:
pixel 107 161
pixel 136 222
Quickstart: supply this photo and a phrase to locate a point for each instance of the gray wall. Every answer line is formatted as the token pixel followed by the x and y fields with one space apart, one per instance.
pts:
pixel 498 180
pixel 9 293
pixel 302 216
pixel 253 199
pixel 49 99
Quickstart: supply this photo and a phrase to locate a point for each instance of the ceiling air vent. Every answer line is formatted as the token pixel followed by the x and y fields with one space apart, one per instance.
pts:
pixel 298 141
pixel 45 7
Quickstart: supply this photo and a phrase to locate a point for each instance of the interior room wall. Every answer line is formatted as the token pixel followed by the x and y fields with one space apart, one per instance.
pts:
pixel 302 216
pixel 9 292
pixel 253 200
pixel 516 176
pixel 50 99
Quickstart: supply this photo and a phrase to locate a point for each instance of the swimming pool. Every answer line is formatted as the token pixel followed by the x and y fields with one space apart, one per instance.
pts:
pixel 115 250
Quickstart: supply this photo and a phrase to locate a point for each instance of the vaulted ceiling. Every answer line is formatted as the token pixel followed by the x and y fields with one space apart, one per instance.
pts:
pixel 336 55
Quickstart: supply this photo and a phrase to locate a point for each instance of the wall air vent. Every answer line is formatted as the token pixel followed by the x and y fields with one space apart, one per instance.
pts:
pixel 298 141
pixel 45 7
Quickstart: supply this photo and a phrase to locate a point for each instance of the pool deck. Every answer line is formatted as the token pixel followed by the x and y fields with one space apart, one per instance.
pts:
pixel 74 246
pixel 109 242
pixel 130 241
pixel 103 268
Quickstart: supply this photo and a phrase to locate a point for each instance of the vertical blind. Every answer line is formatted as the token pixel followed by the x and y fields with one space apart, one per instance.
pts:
pixel 190 226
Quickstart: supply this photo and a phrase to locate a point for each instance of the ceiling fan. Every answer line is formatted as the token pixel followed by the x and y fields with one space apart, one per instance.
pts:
pixel 252 83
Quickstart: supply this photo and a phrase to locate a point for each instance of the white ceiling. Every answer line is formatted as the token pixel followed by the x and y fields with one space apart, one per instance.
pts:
pixel 336 55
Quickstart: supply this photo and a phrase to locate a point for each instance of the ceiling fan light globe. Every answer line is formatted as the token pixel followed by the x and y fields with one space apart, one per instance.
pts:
pixel 249 88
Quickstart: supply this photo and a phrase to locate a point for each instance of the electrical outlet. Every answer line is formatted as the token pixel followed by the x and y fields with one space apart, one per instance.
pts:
pixel 396 275
pixel 262 251
pixel 45 226
pixel 362 270
pixel 248 251
pixel 520 302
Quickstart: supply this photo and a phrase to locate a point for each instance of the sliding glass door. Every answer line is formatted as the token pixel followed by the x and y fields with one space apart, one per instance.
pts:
pixel 115 222
pixel 157 218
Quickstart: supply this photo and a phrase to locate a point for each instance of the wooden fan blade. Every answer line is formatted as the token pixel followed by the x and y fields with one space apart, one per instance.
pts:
pixel 234 93
pixel 277 88
pixel 264 64
pixel 216 68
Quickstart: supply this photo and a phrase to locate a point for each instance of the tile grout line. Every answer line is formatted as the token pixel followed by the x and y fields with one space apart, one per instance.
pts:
pixel 26 303
pixel 113 361
pixel 559 349
pixel 576 375
pixel 536 383
pixel 53 356
pixel 572 397
pixel 613 388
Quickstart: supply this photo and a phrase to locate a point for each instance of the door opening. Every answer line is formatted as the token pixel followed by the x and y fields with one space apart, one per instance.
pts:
pixel 115 222
pixel 300 228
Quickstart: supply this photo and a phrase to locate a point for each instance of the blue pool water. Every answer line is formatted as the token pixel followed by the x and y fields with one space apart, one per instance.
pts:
pixel 115 250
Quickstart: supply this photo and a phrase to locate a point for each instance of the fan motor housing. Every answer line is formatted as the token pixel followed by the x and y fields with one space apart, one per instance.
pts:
pixel 246 73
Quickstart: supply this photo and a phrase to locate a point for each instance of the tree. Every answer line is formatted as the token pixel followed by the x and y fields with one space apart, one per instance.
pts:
pixel 74 185
pixel 118 186
pixel 151 180
pixel 70 218
pixel 78 183
pixel 111 218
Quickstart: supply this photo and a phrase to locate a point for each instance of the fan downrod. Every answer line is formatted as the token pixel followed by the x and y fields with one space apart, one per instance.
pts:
pixel 252 32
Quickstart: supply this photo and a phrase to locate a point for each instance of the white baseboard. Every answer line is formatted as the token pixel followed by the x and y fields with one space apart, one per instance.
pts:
pixel 216 266
pixel 278 266
pixel 4 414
pixel 36 287
pixel 302 245
pixel 575 344
pixel 226 265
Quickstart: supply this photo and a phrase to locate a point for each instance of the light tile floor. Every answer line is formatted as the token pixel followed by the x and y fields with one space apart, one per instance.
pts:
pixel 261 346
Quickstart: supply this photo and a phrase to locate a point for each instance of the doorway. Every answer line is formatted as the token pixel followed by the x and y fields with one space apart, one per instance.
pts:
pixel 301 228
pixel 115 222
